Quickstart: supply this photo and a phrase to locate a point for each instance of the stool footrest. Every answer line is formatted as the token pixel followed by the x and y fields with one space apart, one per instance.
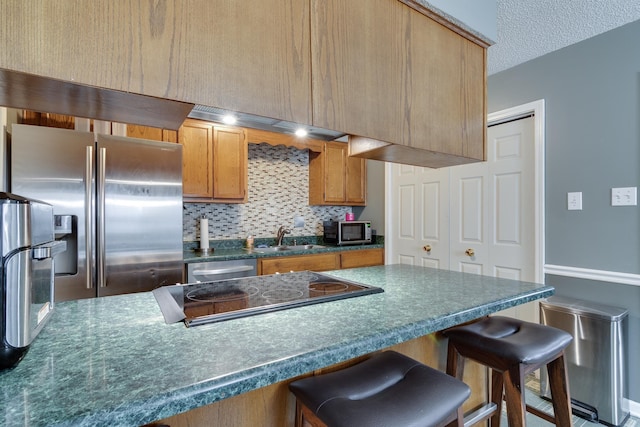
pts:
pixel 537 412
pixel 480 414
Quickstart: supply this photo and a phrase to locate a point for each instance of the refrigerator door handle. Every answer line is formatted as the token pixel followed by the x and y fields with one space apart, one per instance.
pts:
pixel 102 163
pixel 88 217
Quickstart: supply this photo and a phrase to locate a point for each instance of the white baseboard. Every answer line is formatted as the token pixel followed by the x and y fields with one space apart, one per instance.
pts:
pixel 634 408
pixel 599 275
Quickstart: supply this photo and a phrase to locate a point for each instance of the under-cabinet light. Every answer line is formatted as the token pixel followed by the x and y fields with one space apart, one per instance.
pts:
pixel 229 119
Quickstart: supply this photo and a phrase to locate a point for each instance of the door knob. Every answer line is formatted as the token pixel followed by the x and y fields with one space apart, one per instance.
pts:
pixel 470 252
pixel 426 248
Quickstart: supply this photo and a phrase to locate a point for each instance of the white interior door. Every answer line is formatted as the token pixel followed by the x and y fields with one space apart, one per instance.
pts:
pixel 420 204
pixel 512 227
pixel 485 211
pixel 470 215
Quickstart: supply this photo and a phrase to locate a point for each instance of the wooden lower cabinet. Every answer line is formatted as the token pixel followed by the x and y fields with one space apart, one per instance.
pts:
pixel 315 262
pixel 322 262
pixel 274 405
pixel 361 258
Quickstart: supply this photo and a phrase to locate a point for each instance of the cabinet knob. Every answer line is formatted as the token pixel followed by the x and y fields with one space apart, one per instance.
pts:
pixel 426 248
pixel 470 252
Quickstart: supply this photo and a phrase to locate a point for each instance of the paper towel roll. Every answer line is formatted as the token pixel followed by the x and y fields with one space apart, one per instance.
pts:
pixel 204 233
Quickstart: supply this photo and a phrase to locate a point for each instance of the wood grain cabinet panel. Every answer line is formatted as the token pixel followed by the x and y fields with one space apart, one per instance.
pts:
pixel 35 118
pixel 230 158
pixel 250 57
pixel 214 162
pixel 384 71
pixel 314 262
pixel 322 262
pixel 335 178
pixel 196 139
pixel 362 258
pixel 145 132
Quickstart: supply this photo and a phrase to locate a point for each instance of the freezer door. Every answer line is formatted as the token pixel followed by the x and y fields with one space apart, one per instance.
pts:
pixel 139 214
pixel 56 166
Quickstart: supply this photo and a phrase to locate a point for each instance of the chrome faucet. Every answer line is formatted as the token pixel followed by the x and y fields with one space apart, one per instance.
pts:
pixel 280 235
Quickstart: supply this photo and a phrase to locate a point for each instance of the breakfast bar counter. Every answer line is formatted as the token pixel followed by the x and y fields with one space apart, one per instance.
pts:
pixel 113 361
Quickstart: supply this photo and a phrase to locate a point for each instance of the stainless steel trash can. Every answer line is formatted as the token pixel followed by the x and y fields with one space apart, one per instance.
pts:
pixel 595 357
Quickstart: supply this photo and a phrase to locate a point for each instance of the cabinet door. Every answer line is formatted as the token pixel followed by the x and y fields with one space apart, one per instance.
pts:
pixel 319 262
pixel 250 57
pixel 362 258
pixel 230 157
pixel 335 178
pixel 47 119
pixel 196 138
pixel 144 132
pixel 335 155
pixel 356 181
pixel 392 74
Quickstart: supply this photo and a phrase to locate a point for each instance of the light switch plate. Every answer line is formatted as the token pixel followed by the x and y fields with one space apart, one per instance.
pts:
pixel 627 196
pixel 574 201
pixel 298 222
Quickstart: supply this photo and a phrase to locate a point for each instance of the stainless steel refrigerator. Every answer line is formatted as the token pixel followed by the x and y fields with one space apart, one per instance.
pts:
pixel 117 204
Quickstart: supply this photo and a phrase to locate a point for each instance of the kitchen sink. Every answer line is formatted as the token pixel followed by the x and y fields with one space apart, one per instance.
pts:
pixel 287 248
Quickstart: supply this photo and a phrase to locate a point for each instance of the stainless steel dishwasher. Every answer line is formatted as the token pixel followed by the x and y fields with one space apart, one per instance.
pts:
pixel 221 270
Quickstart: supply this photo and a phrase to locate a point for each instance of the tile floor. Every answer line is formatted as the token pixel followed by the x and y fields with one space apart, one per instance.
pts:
pixel 533 398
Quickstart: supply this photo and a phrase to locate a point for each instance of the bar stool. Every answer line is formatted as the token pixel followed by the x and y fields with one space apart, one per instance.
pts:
pixel 389 390
pixel 513 349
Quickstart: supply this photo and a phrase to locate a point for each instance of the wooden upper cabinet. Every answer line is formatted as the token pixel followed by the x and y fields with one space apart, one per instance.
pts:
pixel 230 158
pixel 356 181
pixel 35 118
pixel 384 71
pixel 196 139
pixel 214 162
pixel 145 132
pixel 335 178
pixel 335 173
pixel 251 57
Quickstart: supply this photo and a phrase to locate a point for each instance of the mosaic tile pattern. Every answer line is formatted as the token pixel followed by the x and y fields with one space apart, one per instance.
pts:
pixel 278 193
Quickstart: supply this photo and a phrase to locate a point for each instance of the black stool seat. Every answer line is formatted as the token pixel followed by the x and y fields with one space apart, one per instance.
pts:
pixel 510 339
pixel 513 349
pixel 389 389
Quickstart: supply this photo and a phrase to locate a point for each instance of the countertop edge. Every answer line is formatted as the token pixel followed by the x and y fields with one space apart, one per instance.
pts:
pixel 209 392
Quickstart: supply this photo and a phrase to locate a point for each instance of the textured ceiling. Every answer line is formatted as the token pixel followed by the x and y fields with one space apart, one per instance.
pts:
pixel 528 29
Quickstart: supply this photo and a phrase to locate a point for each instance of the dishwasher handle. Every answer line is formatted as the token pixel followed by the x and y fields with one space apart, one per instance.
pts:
pixel 217 271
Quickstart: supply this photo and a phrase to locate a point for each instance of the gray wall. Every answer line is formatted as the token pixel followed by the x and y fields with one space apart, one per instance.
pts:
pixel 592 100
pixel 374 211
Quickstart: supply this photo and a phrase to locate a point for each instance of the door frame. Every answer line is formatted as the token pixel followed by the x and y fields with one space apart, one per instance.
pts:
pixel 537 108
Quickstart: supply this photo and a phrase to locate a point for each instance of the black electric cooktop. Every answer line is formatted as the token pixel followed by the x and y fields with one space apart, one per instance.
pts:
pixel 207 302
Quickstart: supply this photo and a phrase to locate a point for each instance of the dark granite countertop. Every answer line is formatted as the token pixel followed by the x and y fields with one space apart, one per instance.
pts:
pixel 113 361
pixel 225 250
pixel 190 256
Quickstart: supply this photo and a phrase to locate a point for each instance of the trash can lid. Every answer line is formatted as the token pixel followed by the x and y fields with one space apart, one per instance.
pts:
pixel 584 308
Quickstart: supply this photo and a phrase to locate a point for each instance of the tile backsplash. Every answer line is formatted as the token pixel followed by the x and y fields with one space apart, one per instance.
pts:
pixel 278 193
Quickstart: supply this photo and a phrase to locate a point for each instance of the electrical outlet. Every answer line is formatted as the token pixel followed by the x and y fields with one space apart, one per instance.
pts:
pixel 627 196
pixel 574 201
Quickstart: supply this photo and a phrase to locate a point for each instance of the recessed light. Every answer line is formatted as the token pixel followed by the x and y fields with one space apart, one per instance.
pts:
pixel 301 132
pixel 229 119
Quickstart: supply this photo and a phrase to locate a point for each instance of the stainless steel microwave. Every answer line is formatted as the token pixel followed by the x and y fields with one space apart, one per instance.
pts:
pixel 347 232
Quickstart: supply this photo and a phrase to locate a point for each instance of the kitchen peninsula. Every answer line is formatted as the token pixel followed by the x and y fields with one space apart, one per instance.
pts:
pixel 113 361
